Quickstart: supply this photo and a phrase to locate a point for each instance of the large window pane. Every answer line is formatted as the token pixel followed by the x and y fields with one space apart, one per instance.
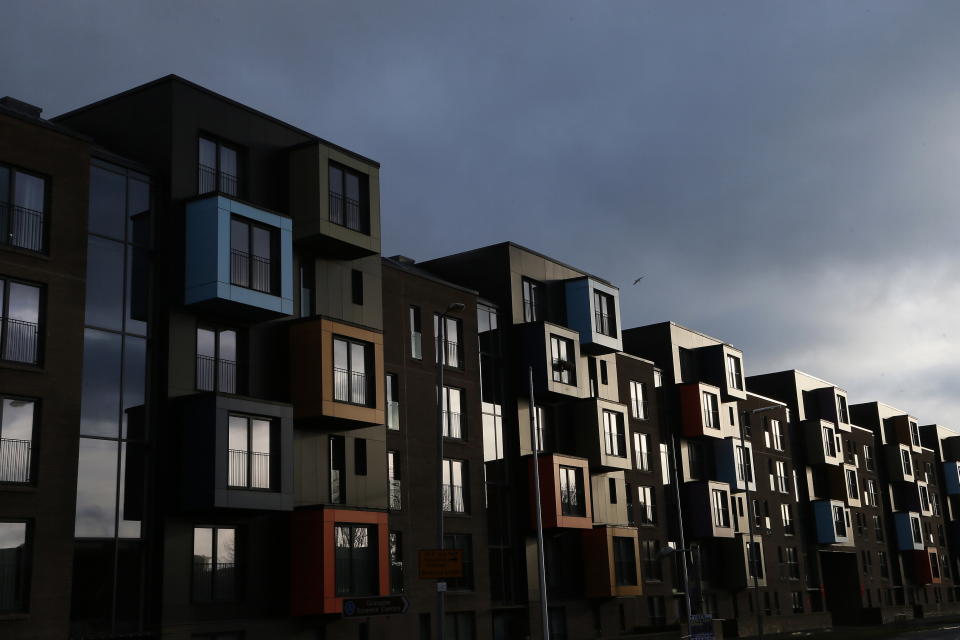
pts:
pixel 131 472
pixel 108 197
pixel 29 191
pixel 96 488
pixel 105 274
pixel 100 403
pixel 13 566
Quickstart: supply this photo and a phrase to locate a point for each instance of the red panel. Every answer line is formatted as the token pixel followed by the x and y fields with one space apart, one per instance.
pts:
pixel 598 582
pixel 549 493
pixel 690 410
pixel 921 567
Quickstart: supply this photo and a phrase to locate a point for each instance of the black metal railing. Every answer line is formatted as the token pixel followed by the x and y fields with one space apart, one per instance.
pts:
pixel 20 340
pixel 250 271
pixel 452 425
pixel 21 227
pixel 395 500
pixel 249 469
pixel 563 370
pixel 451 351
pixel 350 386
pixel 453 498
pixel 209 179
pixel 214 373
pixel 15 460
pixel 214 581
pixel 643 460
pixel 347 212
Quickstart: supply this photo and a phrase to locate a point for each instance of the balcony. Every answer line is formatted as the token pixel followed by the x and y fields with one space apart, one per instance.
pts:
pixel 706 510
pixel 909 531
pixel 611 562
pixel 554 379
pixel 22 228
pixel 15 460
pixel 821 442
pixel 721 366
pixel 215 473
pixel 216 374
pixel 702 413
pixel 20 341
pixel 832 522
pixel 565 494
pixel 352 397
pixel 899 463
pixel 733 467
pixel 364 569
pixel 228 280
pixel 602 433
pixel 903 429
pixel 335 201
pixel 593 310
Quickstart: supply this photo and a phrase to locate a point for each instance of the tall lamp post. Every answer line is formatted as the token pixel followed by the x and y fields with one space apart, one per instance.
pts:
pixel 441 354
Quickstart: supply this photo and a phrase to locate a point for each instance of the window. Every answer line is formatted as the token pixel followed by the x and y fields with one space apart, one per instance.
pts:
pixel 604 314
pixel 17 417
pixel 216 360
pixel 638 400
pixel 22 209
pixel 721 508
pixel 463 542
pixel 652 565
pixel 360 456
pixel 218 168
pixel 646 508
pixel 612 489
pixel 533 294
pixel 572 500
pixel 416 340
pixel 613 434
pixel 449 345
pixel 791 564
pixel 853 484
pixel 878 527
pixel 624 561
pixel 459 625
pixel 20 318
pixel 755 560
pixel 563 366
pixel 657 378
pixel 351 360
pixel 796 601
pixel 829 443
pixel 786 516
pixel 540 428
pixel 396 562
pixel 215 571
pixel 603 372
pixel 842 409
pixel 394 478
pixel 252 251
pixel 393 401
pixel 454 483
pixel 777 432
pixel 907 465
pixel 356 559
pixel 14 566
pixel 338 470
pixel 744 464
pixel 734 373
pixel 711 411
pixel 839 522
pixel 934 504
pixel 868 457
pixel 250 449
pixel 914 434
pixel 356 286
pixel 348 198
pixel 882 563
pixel 641 449
pixel 934 564
pixel 453 413
pixel 308 283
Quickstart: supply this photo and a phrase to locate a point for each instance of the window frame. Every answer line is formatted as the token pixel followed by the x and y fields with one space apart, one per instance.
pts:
pixel 563 370
pixel 218 361
pixel 614 434
pixel 24 570
pixel 39 342
pixel 369 371
pixel 447 415
pixel 373 546
pixel 362 203
pixel 457 343
pixel 11 207
pixel 218 172
pixel 215 563
pixel 734 372
pixel 567 507
pixel 534 305
pixel 273 265
pixel 31 465
pixel 604 313
pixel 638 400
pixel 449 464
pixel 272 466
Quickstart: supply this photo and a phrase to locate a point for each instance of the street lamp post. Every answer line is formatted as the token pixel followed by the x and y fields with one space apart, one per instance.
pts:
pixel 441 355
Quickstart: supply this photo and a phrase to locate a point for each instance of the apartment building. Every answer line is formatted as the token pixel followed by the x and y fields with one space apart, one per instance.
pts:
pixel 222 414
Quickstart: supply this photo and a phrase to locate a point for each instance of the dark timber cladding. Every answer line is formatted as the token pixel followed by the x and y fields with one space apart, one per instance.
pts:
pixel 219 412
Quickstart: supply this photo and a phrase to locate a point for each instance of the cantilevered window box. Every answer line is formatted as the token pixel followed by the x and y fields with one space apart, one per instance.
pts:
pixel 239 258
pixel 593 310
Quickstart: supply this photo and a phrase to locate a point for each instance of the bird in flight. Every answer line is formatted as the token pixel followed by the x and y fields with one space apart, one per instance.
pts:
pixel 638 280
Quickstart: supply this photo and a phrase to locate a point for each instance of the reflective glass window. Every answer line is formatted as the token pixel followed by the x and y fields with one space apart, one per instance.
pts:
pixel 104 305
pixel 100 404
pixel 108 200
pixel 96 488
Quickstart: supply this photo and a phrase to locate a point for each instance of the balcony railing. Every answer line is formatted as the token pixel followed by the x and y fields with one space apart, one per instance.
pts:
pixel 214 582
pixel 249 469
pixel 252 272
pixel 350 386
pixel 210 179
pixel 14 460
pixel 452 425
pixel 21 227
pixel 393 415
pixel 451 351
pixel 395 500
pixel 346 212
pixel 214 373
pixel 453 498
pixel 20 340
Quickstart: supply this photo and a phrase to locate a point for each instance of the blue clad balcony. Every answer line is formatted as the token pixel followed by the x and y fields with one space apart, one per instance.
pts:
pixel 832 522
pixel 593 310
pixel 909 531
pixel 951 477
pixel 239 258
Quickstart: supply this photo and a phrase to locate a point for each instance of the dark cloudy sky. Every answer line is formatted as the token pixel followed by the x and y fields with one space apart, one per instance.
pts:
pixel 782 173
